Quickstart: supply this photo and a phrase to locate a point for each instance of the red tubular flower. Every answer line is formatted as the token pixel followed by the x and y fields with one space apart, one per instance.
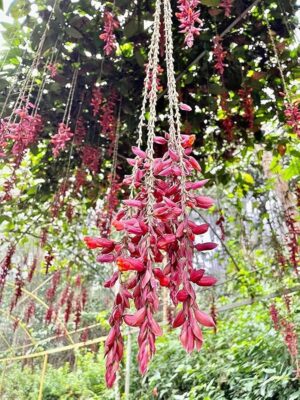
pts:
pixel 130 264
pixel 94 243
pixel 189 18
pixel 108 36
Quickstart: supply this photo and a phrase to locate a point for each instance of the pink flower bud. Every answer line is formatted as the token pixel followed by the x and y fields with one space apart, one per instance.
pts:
pixel 205 246
pixel 203 318
pixel 207 281
pixel 138 152
pixel 136 319
pixel 185 107
pixel 196 275
pixel 182 295
pixel 179 320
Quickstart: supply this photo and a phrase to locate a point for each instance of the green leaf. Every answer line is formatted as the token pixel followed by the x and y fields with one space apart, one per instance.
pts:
pixel 73 32
pixel 247 178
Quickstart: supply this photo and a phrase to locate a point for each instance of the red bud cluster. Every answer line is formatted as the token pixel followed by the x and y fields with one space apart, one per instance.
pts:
pixel 170 236
pixel 189 18
pixel 108 35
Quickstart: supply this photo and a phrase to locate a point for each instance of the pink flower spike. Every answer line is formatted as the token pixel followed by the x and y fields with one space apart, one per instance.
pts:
pixel 185 107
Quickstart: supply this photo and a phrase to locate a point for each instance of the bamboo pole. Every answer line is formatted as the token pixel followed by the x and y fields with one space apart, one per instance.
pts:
pixel 43 377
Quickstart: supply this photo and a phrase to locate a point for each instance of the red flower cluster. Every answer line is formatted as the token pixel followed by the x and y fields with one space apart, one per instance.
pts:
pixel 52 68
pixel 60 139
pixel 29 312
pixel 96 100
pixel 108 121
pixel 293 240
pixel 166 235
pixel 292 114
pixel 247 103
pixel 91 158
pixel 227 5
pixel 274 316
pixel 190 23
pixel 5 268
pixel 80 179
pixel 19 283
pixel 290 338
pixel 227 122
pixel 219 55
pixel 22 133
pixel 108 36
pixel 80 131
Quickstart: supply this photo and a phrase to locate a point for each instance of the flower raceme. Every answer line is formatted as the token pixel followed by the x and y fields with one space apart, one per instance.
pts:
pixel 60 139
pixel 157 251
pixel 189 18
pixel 108 36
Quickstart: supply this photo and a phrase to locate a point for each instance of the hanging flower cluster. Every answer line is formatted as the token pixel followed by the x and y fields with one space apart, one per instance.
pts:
pixel 219 55
pixel 5 268
pixel 292 114
pixel 274 316
pixel 80 179
pixel 80 131
pixel 159 239
pixel 96 100
pixel 19 283
pixel 108 35
pixel 190 23
pixel 29 312
pixel 227 122
pixel 293 240
pixel 227 6
pixel 61 138
pixel 52 68
pixel 71 301
pixel 247 103
pixel 21 133
pixel 288 331
pixel 108 120
pixel 91 158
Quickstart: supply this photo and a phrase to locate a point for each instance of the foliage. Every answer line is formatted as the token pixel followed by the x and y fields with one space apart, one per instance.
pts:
pixel 245 360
